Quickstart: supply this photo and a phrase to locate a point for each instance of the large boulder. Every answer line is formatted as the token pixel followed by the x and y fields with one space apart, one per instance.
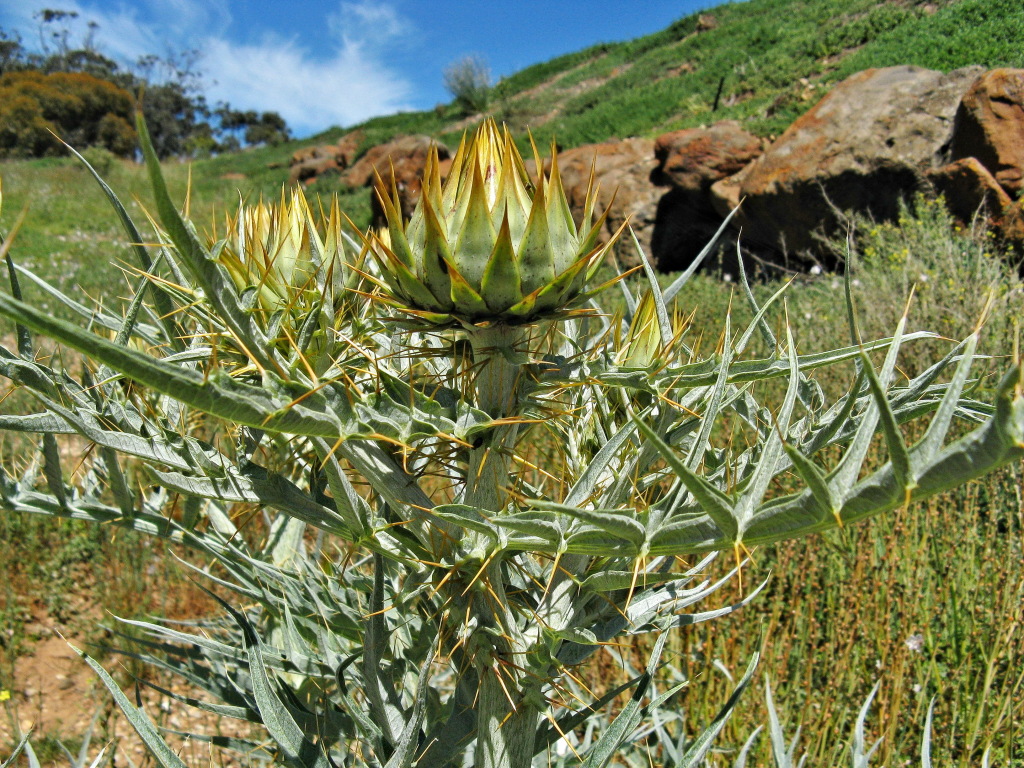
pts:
pixel 622 171
pixel 309 163
pixel 970 190
pixel 694 159
pixel 691 161
pixel 672 224
pixel 347 147
pixel 864 146
pixel 399 164
pixel 408 155
pixel 990 126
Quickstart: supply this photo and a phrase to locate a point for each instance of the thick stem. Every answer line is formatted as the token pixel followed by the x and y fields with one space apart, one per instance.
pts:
pixel 509 698
pixel 496 386
pixel 506 715
pixel 505 734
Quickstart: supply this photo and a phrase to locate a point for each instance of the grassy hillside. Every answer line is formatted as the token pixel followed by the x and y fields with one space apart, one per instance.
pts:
pixel 772 59
pixel 766 61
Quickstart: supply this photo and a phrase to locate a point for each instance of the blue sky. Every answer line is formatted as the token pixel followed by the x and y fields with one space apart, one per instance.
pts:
pixel 339 62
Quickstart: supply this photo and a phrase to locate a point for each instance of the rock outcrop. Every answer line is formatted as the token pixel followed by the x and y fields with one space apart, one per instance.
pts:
pixel 622 171
pixel 875 139
pixel 308 163
pixel 866 145
pixel 399 162
pixel 990 127
pixel 969 188
pixel 694 159
pixel 690 162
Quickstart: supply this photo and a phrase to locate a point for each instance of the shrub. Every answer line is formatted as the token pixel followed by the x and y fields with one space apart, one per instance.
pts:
pixel 81 109
pixel 468 80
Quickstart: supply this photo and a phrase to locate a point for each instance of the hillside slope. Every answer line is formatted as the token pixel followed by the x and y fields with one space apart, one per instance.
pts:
pixel 763 62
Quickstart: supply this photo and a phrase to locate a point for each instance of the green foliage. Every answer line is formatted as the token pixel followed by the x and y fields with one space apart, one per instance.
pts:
pixel 79 108
pixel 536 74
pixel 965 33
pixel 170 87
pixel 670 79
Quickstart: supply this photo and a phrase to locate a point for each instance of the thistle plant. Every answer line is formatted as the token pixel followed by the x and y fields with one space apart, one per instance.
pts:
pixel 468 478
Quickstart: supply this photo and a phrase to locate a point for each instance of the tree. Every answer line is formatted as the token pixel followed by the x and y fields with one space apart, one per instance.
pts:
pixel 83 110
pixel 96 108
pixel 172 117
pixel 12 52
pixel 469 81
pixel 255 127
pixel 270 129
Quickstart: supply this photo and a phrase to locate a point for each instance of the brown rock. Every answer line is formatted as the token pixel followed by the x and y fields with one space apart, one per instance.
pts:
pixel 691 161
pixel 696 158
pixel 409 183
pixel 863 147
pixel 307 171
pixel 622 171
pixel 1011 225
pixel 309 162
pixel 408 154
pixel 399 162
pixel 990 126
pixel 969 188
pixel 347 147
pixel 306 154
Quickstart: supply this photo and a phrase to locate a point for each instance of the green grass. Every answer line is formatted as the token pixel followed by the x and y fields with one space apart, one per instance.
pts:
pixel 72 236
pixel 986 32
pixel 839 609
pixel 837 617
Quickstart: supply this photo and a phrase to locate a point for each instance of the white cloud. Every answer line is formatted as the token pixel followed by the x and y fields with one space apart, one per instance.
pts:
pixel 368 21
pixel 127 31
pixel 347 83
pixel 311 94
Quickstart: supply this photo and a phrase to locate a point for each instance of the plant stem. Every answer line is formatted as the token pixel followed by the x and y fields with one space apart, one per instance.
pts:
pixel 506 721
pixel 496 387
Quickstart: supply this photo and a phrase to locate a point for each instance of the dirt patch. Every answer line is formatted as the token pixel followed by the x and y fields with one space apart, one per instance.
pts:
pixel 56 696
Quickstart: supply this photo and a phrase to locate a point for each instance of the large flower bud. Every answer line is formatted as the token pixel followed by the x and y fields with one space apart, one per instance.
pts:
pixel 488 244
pixel 294 269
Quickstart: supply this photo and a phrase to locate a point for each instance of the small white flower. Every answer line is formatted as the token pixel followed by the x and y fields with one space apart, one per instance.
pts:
pixel 922 278
pixel 726 277
pixel 915 642
pixel 878 663
pixel 856 283
pixel 917 688
pixel 816 270
pixel 807 315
